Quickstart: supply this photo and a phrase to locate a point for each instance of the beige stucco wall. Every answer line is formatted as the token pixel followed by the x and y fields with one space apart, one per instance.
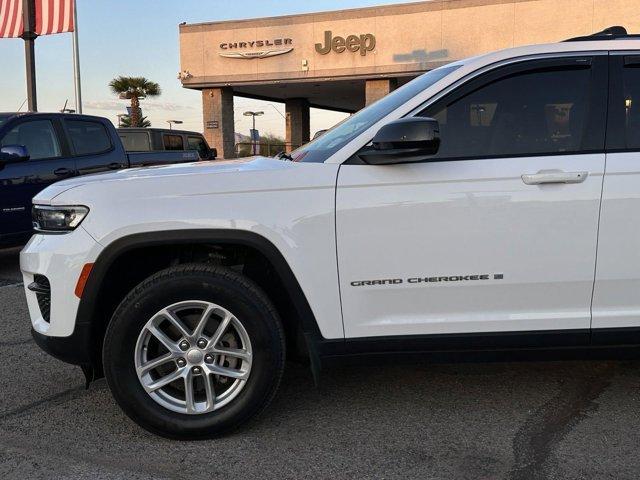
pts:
pixel 409 37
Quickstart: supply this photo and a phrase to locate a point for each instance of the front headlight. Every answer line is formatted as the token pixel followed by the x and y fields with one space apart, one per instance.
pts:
pixel 59 219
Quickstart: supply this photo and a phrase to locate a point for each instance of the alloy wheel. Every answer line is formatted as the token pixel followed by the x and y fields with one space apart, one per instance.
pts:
pixel 193 357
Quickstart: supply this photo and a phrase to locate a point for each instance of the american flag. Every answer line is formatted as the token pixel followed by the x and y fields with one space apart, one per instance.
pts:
pixel 10 18
pixel 52 16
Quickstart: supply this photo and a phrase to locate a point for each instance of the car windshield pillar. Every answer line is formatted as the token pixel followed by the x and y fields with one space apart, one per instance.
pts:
pixel 321 148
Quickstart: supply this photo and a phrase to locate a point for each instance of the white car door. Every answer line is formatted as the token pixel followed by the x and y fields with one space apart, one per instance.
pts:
pixel 485 236
pixel 616 300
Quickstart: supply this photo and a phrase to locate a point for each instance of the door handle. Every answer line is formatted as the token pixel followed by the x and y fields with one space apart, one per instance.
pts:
pixel 554 176
pixel 115 166
pixel 63 172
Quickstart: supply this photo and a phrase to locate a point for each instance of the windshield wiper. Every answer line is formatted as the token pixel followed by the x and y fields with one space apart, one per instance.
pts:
pixel 284 155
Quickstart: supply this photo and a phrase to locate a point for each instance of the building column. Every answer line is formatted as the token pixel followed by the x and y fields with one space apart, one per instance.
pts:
pixel 376 89
pixel 217 116
pixel 298 124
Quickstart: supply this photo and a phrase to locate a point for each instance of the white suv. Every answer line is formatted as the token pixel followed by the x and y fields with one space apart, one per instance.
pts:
pixel 488 207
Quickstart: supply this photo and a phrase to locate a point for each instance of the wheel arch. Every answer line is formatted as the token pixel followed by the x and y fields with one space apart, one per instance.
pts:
pixel 89 313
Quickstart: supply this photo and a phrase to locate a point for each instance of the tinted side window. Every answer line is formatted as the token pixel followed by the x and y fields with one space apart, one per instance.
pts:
pixel 197 143
pixel 530 113
pixel 135 141
pixel 88 138
pixel 38 136
pixel 631 105
pixel 173 142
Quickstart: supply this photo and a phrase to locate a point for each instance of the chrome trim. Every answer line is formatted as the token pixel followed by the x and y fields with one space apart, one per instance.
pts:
pixel 547 177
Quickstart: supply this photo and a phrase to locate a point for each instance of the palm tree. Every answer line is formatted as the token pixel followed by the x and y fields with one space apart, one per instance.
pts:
pixel 134 88
pixel 125 121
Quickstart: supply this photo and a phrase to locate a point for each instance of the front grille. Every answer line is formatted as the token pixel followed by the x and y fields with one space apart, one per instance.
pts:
pixel 42 289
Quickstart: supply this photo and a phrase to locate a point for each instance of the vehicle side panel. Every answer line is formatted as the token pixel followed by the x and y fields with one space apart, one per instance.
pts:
pixel 289 204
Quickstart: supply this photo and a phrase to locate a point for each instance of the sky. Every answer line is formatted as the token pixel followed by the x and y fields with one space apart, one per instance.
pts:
pixel 140 38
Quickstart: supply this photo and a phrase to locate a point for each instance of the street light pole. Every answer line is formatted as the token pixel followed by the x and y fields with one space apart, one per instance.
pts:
pixel 254 141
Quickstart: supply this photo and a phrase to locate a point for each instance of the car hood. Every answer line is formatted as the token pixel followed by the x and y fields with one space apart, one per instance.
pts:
pixel 202 177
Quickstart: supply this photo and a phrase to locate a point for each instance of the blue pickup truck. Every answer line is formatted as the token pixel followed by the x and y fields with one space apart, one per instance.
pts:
pixel 38 149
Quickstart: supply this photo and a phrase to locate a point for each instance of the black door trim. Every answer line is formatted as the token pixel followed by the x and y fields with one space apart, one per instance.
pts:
pixel 458 342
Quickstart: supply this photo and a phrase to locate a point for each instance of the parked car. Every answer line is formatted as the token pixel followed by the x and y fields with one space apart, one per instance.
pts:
pixel 468 213
pixel 38 149
pixel 159 139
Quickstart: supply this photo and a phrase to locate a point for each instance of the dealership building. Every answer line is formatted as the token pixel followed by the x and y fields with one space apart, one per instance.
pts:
pixel 344 60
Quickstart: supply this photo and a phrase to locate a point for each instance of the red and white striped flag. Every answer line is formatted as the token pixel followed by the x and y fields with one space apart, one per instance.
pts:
pixel 54 16
pixel 11 25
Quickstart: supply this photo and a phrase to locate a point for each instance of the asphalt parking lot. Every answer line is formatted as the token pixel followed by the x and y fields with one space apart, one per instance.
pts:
pixel 520 421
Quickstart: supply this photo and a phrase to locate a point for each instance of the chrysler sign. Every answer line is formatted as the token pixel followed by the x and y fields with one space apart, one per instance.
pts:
pixel 256 48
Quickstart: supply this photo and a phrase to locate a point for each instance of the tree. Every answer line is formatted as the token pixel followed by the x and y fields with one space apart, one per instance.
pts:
pixel 125 121
pixel 271 144
pixel 134 88
pixel 268 145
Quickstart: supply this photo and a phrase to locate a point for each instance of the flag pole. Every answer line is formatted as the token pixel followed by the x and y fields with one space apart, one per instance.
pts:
pixel 76 59
pixel 29 36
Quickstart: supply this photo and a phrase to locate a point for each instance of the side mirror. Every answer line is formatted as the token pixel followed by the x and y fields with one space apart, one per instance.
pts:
pixel 14 153
pixel 213 153
pixel 403 141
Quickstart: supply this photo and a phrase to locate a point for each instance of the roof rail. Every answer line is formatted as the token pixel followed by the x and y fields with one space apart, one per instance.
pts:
pixel 612 33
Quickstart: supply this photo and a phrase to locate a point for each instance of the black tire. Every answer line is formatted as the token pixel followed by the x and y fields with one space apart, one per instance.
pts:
pixel 218 285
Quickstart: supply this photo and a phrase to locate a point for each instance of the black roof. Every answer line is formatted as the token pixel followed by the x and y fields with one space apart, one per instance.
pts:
pixel 612 33
pixel 158 130
pixel 73 115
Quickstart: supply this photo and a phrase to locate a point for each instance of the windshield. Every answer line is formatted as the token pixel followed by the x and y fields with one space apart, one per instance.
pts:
pixel 331 141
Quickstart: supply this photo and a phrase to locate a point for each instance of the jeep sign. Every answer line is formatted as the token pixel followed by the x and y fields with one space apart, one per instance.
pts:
pixel 363 43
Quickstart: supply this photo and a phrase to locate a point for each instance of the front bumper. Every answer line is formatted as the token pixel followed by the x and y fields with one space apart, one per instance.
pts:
pixel 74 349
pixel 60 259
